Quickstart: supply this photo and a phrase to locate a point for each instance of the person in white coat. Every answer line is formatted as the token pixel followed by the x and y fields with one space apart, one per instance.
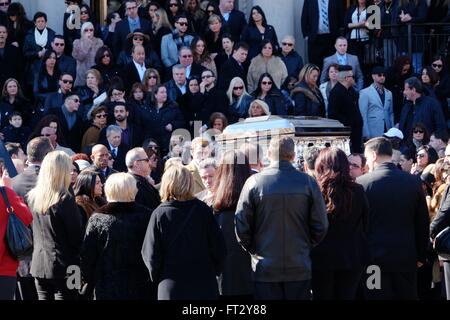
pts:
pixel 376 106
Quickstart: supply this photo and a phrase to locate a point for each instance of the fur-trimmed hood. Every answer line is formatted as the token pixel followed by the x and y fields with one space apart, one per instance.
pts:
pixel 302 88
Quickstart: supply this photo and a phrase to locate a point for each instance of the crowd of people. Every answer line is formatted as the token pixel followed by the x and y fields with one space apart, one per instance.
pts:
pixel 92 120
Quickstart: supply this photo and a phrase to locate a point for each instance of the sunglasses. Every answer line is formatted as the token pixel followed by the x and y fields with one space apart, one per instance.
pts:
pixel 381 75
pixel 418 131
pixel 183 24
pixel 103 115
pixel 153 77
pixel 67 81
pixel 173 5
pixel 138 39
pixel 238 88
pixel 106 55
pixel 437 65
pixel 187 56
pixel 76 100
pixel 210 11
pixel 59 44
pixel 4 4
pixel 83 12
pixel 287 44
pixel 88 30
pixel 266 82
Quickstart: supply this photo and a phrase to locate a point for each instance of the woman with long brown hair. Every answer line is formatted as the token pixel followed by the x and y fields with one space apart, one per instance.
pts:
pixel 338 261
pixel 234 169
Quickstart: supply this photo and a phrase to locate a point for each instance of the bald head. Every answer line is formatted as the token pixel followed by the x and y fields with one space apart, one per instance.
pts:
pixel 138 54
pixel 100 156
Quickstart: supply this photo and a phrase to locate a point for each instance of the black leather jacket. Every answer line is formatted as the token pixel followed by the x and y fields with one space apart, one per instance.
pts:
pixel 280 216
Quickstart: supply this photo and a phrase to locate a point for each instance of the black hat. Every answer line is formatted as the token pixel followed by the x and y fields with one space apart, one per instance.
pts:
pixel 378 70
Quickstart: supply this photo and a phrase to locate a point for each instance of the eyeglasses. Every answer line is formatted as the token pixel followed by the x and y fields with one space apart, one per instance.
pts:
pixel 173 5
pixel 59 44
pixel 76 100
pixel 88 30
pixel 421 155
pixel 207 76
pixel 287 44
pixel 106 55
pixel 418 131
pixel 238 88
pixel 152 77
pixel 102 115
pixel 4 4
pixel 83 12
pixel 183 23
pixel 437 65
pixel 381 75
pixel 266 83
pixel 138 39
pixel 67 81
pixel 187 56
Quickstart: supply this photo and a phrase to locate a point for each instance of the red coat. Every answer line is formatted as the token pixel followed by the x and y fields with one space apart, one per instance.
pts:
pixel 8 264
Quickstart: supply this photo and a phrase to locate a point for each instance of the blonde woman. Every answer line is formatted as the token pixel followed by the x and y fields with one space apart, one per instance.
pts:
pixel 306 95
pixel 258 108
pixel 84 50
pixel 111 254
pixel 161 27
pixel 57 230
pixel 185 261
pixel 239 100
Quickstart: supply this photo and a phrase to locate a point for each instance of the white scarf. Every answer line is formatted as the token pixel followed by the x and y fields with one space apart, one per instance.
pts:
pixel 41 39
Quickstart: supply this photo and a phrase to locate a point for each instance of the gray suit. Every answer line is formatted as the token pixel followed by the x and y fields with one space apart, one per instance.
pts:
pixel 351 61
pixel 25 181
pixel 375 114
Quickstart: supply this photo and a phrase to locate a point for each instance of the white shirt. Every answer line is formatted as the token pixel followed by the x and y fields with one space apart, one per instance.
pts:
pixel 188 71
pixel 363 33
pixel 140 69
pixel 226 16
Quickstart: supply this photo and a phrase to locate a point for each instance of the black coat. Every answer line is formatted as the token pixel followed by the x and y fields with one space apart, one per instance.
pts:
pixel 135 134
pixel 310 18
pixel 53 100
pixel 278 103
pixel 307 103
pixel 10 64
pixel 235 24
pixel 343 106
pixel 57 238
pixel 102 176
pixel 228 71
pixel 293 62
pixel 108 73
pixel 119 159
pixel 67 64
pixel 214 100
pixel 19 135
pixel 254 38
pixel 147 195
pixel 345 245
pixel 74 135
pixel 418 13
pixel 184 251
pixel 236 278
pixel 23 106
pixel 159 119
pixel 5 111
pixel 111 254
pixel 398 219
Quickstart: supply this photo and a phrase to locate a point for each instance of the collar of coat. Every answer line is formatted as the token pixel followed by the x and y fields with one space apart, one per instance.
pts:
pixel 117 207
pixel 307 92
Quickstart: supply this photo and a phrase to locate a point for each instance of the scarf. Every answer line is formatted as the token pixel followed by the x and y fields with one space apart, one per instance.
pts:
pixel 41 38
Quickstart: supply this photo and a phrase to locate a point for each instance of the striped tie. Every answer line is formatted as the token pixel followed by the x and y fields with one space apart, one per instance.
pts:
pixel 324 13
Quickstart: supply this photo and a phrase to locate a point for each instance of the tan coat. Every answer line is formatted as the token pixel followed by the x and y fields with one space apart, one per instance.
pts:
pixel 275 67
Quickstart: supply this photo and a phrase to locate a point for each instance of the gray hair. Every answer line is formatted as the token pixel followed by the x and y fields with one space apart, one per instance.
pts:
pixel 132 156
pixel 206 163
pixel 178 67
pixel 113 128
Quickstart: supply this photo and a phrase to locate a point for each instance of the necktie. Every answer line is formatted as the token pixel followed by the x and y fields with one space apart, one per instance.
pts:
pixel 114 152
pixel 324 13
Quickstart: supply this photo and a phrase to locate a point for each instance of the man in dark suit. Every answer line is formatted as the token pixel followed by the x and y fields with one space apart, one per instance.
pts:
pixel 398 223
pixel 137 163
pixel 56 99
pixel 71 122
pixel 234 67
pixel 130 23
pixel 65 63
pixel 343 106
pixel 321 24
pixel 100 157
pixel 37 149
pixel 233 20
pixel 214 99
pixel 187 60
pixel 115 146
pixel 134 71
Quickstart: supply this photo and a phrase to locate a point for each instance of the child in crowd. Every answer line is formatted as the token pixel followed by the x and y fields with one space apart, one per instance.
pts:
pixel 15 131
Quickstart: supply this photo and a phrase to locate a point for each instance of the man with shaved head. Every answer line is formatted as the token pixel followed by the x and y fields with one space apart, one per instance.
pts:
pixel 100 156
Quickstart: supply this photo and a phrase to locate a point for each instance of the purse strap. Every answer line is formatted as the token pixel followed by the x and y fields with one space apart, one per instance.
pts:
pixel 9 209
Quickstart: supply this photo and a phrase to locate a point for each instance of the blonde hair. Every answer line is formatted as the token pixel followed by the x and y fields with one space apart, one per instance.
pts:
pixel 306 71
pixel 175 161
pixel 53 181
pixel 262 104
pixel 85 25
pixel 163 20
pixel 233 83
pixel 96 74
pixel 213 18
pixel 120 187
pixel 177 183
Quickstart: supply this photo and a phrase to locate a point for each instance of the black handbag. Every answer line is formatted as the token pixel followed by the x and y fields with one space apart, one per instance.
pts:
pixel 442 242
pixel 19 238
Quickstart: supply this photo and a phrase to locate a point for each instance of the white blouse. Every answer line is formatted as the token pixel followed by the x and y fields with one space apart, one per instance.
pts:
pixel 359 33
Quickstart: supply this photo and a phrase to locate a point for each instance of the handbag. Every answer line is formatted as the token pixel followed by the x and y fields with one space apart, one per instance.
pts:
pixel 19 239
pixel 442 242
